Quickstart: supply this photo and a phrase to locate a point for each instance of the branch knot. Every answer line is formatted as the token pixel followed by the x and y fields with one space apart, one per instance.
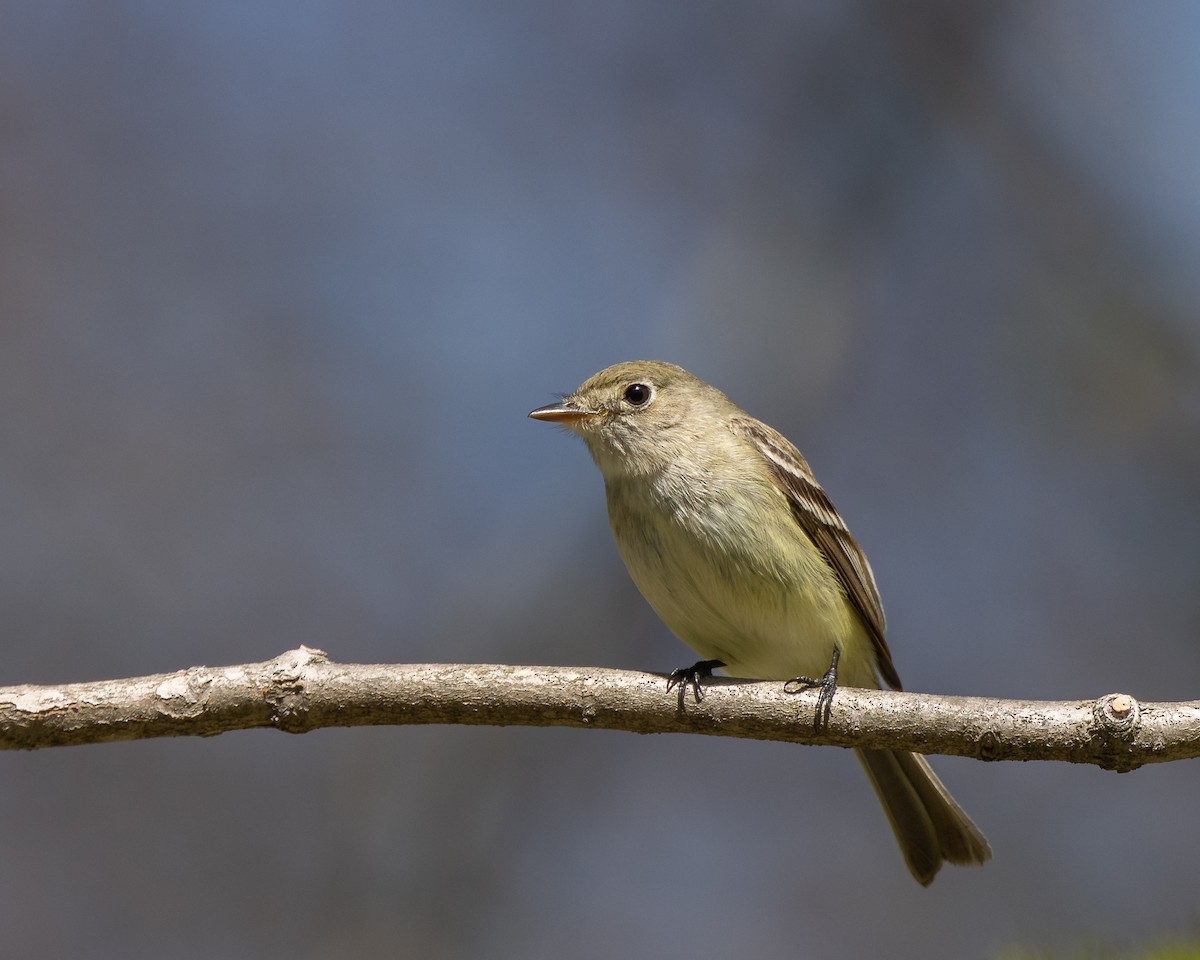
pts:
pixel 1118 718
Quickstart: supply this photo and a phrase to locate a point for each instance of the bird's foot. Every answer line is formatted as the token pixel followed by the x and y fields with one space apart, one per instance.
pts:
pixel 828 685
pixel 691 676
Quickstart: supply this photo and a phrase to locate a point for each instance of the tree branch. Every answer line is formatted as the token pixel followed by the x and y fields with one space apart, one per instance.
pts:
pixel 302 690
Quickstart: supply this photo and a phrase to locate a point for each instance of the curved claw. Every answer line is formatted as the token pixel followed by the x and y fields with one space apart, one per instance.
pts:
pixel 684 677
pixel 828 685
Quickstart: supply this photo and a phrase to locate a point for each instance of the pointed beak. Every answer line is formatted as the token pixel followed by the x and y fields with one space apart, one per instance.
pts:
pixel 567 412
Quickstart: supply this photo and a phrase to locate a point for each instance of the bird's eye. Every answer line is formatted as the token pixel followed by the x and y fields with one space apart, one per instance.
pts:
pixel 637 394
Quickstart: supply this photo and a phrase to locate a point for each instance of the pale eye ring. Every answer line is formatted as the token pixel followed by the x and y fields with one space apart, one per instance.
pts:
pixel 638 394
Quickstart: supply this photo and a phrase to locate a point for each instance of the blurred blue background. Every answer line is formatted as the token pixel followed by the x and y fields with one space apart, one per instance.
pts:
pixel 279 283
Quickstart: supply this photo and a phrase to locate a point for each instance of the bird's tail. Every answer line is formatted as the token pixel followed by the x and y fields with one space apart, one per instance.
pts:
pixel 928 824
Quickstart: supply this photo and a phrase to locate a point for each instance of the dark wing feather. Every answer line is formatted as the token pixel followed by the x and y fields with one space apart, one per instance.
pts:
pixel 818 518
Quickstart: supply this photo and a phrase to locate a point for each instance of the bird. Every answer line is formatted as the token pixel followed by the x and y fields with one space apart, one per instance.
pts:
pixel 727 534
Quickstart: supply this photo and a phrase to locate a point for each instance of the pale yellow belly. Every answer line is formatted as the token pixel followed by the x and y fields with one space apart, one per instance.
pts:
pixel 772 614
